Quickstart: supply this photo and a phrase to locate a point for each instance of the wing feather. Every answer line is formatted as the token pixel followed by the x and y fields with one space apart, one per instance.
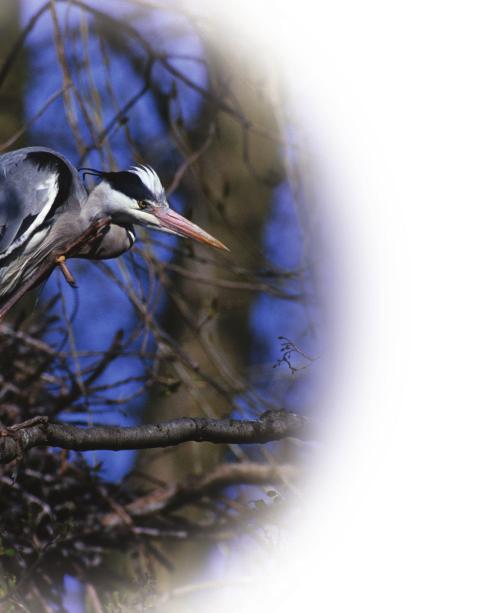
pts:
pixel 34 182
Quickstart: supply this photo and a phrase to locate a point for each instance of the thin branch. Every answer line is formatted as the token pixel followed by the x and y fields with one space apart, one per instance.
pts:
pixel 9 142
pixel 68 83
pixel 189 161
pixel 180 494
pixel 270 426
pixel 9 60
pixel 178 74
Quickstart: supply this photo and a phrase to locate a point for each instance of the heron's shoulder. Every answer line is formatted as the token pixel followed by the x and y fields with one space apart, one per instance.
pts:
pixel 34 164
pixel 36 184
pixel 39 157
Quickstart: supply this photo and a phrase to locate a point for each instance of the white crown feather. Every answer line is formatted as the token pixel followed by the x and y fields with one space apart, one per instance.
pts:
pixel 149 178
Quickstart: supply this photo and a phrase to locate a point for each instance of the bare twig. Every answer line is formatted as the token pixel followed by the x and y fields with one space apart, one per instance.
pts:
pixel 70 110
pixel 160 499
pixel 9 60
pixel 10 141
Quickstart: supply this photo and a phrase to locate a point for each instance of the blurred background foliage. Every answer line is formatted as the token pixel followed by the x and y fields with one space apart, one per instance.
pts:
pixel 193 332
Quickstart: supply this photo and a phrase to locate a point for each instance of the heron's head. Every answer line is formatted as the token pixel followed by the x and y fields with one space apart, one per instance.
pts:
pixel 136 196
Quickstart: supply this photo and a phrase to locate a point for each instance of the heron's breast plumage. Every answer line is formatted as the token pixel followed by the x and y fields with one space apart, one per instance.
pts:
pixel 114 242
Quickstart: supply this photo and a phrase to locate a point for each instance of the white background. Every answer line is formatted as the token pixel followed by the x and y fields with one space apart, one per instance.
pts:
pixel 400 101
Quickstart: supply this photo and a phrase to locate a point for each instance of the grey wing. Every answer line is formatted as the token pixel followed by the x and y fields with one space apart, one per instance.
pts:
pixel 35 182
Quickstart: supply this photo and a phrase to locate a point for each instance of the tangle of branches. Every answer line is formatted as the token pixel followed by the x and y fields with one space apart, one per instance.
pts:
pixel 165 348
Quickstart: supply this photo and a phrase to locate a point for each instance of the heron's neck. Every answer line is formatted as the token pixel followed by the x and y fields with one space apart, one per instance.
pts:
pixel 97 205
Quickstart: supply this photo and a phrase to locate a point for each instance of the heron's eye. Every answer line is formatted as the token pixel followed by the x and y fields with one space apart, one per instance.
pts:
pixel 142 204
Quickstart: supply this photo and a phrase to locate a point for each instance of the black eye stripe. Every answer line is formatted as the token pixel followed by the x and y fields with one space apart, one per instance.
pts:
pixel 128 183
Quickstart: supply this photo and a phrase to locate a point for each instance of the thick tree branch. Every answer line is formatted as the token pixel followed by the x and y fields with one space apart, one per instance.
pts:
pixel 271 426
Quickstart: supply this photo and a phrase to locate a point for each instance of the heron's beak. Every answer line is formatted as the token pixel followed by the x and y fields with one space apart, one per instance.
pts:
pixel 171 221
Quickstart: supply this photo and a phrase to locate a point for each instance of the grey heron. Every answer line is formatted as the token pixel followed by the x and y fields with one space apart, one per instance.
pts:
pixel 44 204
